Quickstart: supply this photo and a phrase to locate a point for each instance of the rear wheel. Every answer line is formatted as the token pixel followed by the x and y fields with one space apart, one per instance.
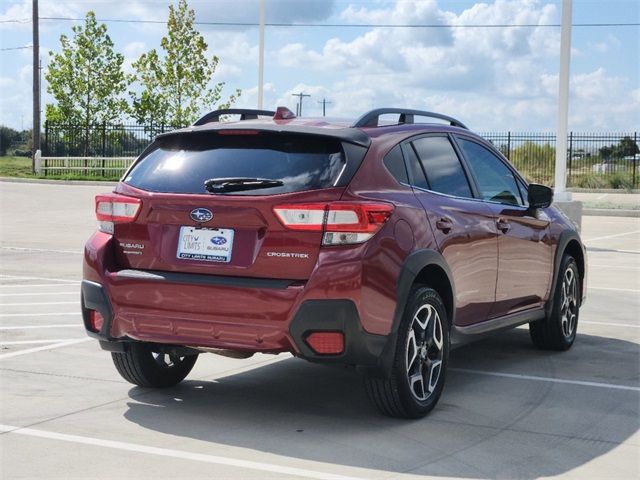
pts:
pixel 558 330
pixel 422 352
pixel 146 366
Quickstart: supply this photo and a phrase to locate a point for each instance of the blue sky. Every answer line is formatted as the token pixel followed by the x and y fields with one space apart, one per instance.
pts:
pixel 492 79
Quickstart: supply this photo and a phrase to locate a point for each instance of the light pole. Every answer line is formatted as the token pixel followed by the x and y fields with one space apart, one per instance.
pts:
pixel 560 190
pixel 261 56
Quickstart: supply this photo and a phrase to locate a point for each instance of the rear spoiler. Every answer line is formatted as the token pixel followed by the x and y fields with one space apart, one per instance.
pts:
pixel 350 135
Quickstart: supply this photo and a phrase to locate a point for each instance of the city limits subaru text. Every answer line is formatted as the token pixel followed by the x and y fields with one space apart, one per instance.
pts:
pixel 378 243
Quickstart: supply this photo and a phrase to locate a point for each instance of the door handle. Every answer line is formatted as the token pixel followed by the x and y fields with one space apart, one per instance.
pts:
pixel 503 225
pixel 444 224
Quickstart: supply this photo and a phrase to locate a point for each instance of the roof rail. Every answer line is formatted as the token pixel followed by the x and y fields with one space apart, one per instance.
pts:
pixel 245 114
pixel 370 119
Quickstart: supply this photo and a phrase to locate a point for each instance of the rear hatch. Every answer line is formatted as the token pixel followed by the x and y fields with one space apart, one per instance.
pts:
pixel 208 199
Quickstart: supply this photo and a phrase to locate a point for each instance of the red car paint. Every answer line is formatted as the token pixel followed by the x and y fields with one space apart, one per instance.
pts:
pixel 494 273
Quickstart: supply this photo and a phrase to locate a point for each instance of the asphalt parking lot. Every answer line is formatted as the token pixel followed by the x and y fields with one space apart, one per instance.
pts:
pixel 508 410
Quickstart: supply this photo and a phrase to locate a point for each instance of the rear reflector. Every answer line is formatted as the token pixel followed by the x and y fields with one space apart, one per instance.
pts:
pixel 326 343
pixel 342 222
pixel 96 321
pixel 114 208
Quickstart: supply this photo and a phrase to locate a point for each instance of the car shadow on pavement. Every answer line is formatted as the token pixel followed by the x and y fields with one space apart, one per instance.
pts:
pixel 483 427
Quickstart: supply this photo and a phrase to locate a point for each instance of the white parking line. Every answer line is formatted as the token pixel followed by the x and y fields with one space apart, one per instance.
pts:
pixel 45 347
pixel 634 290
pixel 34 342
pixel 588 322
pixel 23 249
pixel 181 454
pixel 41 285
pixel 38 327
pixel 595 239
pixel 28 304
pixel 29 294
pixel 617 267
pixel 21 277
pixel 547 379
pixel 48 314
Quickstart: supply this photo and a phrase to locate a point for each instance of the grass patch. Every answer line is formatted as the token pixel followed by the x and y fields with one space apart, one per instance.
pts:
pixel 20 167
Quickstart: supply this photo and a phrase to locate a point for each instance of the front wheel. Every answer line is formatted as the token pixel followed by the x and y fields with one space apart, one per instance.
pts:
pixel 147 366
pixel 558 330
pixel 420 363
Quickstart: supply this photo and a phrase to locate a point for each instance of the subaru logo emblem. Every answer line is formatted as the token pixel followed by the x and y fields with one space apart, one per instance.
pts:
pixel 218 240
pixel 201 215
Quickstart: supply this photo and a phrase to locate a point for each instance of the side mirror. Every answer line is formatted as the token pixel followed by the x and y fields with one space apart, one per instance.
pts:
pixel 540 196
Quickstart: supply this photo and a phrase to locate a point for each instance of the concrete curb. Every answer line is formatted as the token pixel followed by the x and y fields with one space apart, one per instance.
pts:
pixel 634 191
pixel 57 182
pixel 611 212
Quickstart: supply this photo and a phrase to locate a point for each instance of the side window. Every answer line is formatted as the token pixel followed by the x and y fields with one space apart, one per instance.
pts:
pixel 495 180
pixel 419 180
pixel 395 164
pixel 442 166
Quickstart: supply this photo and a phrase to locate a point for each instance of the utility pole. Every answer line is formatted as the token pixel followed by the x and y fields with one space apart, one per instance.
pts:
pixel 560 191
pixel 36 86
pixel 261 56
pixel 324 103
pixel 300 95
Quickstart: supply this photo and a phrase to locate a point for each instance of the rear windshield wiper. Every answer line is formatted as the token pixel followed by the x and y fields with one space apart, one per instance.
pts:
pixel 232 184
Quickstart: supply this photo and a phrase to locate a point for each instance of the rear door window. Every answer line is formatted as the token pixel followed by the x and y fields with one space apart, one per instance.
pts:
pixel 442 166
pixel 182 163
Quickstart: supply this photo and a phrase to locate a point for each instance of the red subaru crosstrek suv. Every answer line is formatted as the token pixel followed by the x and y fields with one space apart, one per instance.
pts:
pixel 378 244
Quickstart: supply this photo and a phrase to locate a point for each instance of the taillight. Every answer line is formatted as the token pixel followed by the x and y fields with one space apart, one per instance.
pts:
pixel 343 223
pixel 112 208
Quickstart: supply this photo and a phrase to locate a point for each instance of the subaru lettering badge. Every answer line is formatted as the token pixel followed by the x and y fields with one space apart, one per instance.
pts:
pixel 201 215
pixel 218 240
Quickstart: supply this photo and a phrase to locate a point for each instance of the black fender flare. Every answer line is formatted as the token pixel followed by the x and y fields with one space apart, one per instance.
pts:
pixel 565 237
pixel 410 270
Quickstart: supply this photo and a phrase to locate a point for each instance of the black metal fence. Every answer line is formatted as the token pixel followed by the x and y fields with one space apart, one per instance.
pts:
pixel 101 140
pixel 594 160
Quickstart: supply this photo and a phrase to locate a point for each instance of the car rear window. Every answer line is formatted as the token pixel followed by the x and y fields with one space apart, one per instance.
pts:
pixel 182 163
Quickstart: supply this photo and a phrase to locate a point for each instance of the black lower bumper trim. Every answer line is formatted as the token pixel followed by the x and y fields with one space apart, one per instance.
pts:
pixel 362 349
pixel 200 279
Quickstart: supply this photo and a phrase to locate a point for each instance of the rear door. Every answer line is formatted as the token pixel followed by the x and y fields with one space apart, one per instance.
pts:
pixel 463 227
pixel 524 245
pixel 183 227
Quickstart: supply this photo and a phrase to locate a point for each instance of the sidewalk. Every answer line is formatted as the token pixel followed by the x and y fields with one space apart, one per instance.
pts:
pixel 625 201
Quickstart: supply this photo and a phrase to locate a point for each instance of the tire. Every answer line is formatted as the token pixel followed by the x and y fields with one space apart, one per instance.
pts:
pixel 421 358
pixel 558 330
pixel 145 366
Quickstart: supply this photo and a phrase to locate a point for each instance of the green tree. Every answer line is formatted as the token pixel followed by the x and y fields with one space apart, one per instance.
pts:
pixel 175 88
pixel 626 148
pixel 86 78
pixel 7 136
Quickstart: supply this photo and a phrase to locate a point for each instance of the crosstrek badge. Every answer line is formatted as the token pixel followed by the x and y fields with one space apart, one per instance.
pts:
pixel 287 255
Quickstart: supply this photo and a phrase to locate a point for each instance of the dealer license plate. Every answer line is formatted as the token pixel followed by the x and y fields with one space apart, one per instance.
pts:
pixel 208 244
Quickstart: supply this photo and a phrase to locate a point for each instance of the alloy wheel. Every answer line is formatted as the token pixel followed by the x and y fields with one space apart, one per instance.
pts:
pixel 569 303
pixel 167 360
pixel 424 352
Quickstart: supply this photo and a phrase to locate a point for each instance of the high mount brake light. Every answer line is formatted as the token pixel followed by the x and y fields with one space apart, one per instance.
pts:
pixel 112 208
pixel 238 132
pixel 342 222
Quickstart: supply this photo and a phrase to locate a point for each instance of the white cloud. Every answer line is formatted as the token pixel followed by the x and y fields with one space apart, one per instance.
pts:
pixel 492 78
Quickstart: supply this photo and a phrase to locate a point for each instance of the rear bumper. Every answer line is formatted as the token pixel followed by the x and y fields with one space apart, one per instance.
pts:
pixel 361 348
pixel 234 313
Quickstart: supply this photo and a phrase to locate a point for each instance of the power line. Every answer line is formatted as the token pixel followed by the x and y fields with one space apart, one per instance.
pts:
pixel 15 48
pixel 357 25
